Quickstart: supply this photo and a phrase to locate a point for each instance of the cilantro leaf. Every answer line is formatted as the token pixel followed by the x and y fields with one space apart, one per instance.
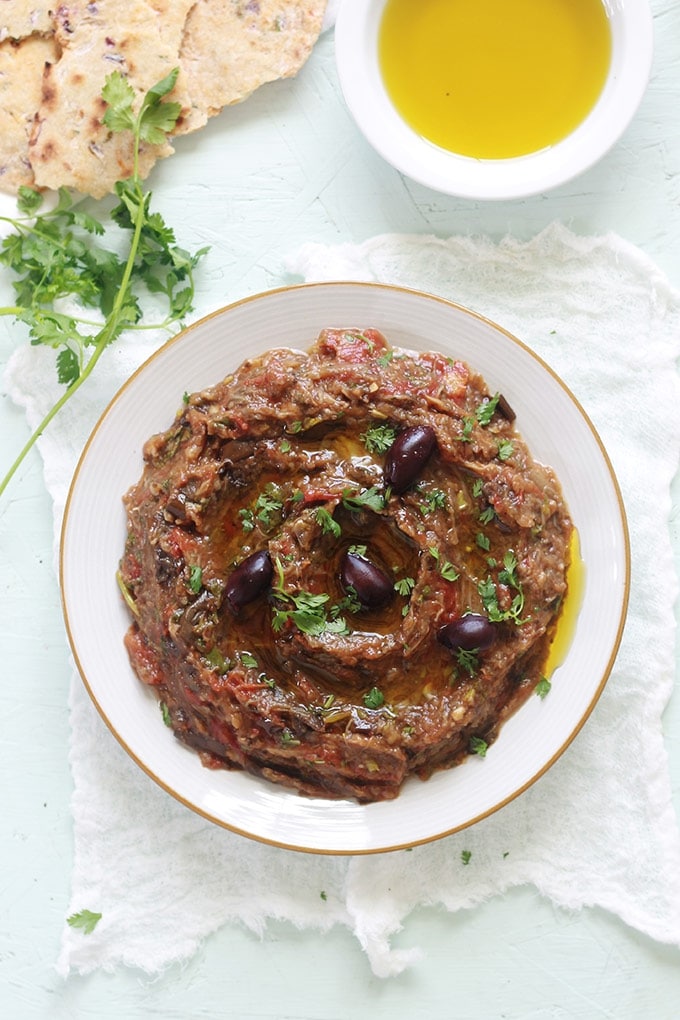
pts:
pixel 56 255
pixel 543 687
pixel 379 438
pixel 371 499
pixel 478 746
pixel 374 699
pixel 120 96
pixel 85 920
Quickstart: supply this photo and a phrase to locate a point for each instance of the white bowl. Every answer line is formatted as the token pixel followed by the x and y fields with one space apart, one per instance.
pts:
pixel 356 47
pixel 94 531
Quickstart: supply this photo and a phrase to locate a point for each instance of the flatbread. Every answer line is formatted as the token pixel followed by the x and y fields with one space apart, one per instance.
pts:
pixel 69 145
pixel 22 18
pixel 21 69
pixel 54 62
pixel 230 49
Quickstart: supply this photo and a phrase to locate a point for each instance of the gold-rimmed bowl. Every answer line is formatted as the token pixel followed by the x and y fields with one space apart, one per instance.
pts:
pixel 558 432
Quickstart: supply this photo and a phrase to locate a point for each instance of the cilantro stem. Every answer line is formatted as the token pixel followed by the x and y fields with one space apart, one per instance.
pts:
pixel 152 257
pixel 102 340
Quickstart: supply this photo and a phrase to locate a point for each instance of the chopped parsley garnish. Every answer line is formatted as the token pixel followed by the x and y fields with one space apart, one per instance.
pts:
pixel 266 510
pixel 505 449
pixel 466 856
pixel 307 610
pixel 489 593
pixel 404 586
pixel 433 500
pixel 367 499
pixel 482 541
pixel 374 699
pixel 487 515
pixel 327 523
pixel 85 920
pixel 165 713
pixel 445 567
pixel 379 438
pixel 487 409
pixel 468 659
pixel 468 425
pixel 543 687
pixel 248 660
pixel 478 746
pixel 195 578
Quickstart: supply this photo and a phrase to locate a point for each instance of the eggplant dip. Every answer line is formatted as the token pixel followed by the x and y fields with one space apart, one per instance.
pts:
pixel 344 567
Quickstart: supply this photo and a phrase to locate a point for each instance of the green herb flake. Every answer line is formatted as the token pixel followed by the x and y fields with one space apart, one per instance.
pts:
pixel 468 426
pixel 288 739
pixel 543 687
pixel 327 523
pixel 367 499
pixel 374 699
pixel 486 410
pixel 468 659
pixel 165 713
pixel 404 586
pixel 505 449
pixel 323 895
pixel 432 501
pixel 487 515
pixel 85 921
pixel 195 578
pixel 478 746
pixel 466 856
pixel 248 660
pixel 482 541
pixel 379 438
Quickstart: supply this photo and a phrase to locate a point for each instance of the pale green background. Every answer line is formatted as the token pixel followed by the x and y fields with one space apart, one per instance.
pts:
pixel 286 167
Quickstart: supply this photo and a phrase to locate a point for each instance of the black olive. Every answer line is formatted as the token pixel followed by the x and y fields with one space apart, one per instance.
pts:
pixel 370 584
pixel 408 455
pixel 471 632
pixel 249 579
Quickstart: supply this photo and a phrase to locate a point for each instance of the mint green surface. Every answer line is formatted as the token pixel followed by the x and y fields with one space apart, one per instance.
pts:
pixel 286 167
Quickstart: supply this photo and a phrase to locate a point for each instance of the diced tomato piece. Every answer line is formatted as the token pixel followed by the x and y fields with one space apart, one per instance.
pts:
pixel 353 345
pixel 143 659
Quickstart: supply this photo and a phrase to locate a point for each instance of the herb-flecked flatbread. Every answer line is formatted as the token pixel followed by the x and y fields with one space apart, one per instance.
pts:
pixel 54 61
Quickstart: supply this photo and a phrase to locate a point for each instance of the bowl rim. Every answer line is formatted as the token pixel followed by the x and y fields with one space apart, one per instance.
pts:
pixel 79 509
pixel 356 34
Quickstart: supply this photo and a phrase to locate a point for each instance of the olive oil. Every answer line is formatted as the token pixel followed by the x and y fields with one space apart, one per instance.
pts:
pixel 566 623
pixel 494 79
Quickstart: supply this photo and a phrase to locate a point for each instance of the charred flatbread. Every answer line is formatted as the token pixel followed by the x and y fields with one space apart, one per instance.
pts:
pixel 54 62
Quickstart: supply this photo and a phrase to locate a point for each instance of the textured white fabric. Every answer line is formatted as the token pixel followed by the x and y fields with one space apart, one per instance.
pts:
pixel 599 827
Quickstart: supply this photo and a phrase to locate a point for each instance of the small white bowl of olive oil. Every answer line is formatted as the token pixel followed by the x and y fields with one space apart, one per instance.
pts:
pixel 493 99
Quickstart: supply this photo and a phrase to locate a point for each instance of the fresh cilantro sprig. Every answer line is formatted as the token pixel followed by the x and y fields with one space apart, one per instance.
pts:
pixel 309 611
pixel 367 499
pixel 379 438
pixel 489 593
pixel 61 263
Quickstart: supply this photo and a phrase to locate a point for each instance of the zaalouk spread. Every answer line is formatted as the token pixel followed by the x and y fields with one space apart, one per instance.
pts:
pixel 344 567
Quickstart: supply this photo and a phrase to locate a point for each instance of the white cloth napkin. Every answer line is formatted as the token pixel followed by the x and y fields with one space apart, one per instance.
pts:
pixel 599 827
